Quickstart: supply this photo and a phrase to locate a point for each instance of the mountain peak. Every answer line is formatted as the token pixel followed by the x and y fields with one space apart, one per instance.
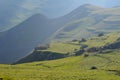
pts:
pixel 39 16
pixel 87 5
pixel 90 7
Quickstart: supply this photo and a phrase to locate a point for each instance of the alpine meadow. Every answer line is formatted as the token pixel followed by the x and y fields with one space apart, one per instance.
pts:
pixel 60 40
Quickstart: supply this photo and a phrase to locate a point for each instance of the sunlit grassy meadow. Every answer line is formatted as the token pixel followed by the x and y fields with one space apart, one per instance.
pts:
pixel 71 68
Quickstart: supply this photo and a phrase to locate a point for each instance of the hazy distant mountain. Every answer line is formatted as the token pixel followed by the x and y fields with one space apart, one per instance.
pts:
pixel 88 20
pixel 21 39
pixel 85 21
pixel 13 12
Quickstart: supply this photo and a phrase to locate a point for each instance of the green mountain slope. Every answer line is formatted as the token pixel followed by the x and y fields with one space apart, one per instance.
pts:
pixel 72 48
pixel 21 39
pixel 72 68
pixel 83 22
pixel 90 21
pixel 55 51
pixel 91 65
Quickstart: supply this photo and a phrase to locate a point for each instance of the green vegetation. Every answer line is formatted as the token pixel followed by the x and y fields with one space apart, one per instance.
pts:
pixel 103 40
pixel 72 68
pixel 62 47
pixel 74 30
pixel 88 66
pixel 83 22
pixel 97 20
pixel 54 51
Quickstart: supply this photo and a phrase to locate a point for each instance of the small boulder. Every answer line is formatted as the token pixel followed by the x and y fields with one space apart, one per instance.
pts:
pixel 101 34
pixel 86 55
pixel 74 40
pixel 93 68
pixel 118 39
pixel 79 52
pixel 82 40
pixel 1 78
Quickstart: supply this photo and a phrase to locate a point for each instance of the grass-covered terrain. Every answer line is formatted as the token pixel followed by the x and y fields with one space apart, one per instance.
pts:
pixel 62 47
pixel 72 68
pixel 103 40
pixel 92 21
pixel 94 66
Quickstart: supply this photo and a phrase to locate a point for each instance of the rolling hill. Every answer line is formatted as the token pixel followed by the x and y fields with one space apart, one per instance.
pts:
pixel 83 22
pixel 86 66
pixel 98 44
pixel 18 41
pixel 88 20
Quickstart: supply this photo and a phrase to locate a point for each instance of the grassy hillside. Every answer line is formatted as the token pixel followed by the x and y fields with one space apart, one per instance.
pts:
pixel 74 30
pixel 94 66
pixel 62 47
pixel 94 22
pixel 83 22
pixel 70 48
pixel 103 40
pixel 72 68
pixel 55 51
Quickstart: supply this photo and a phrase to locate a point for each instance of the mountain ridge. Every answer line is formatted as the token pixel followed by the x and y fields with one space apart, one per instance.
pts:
pixel 80 23
pixel 24 37
pixel 97 21
pixel 74 48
